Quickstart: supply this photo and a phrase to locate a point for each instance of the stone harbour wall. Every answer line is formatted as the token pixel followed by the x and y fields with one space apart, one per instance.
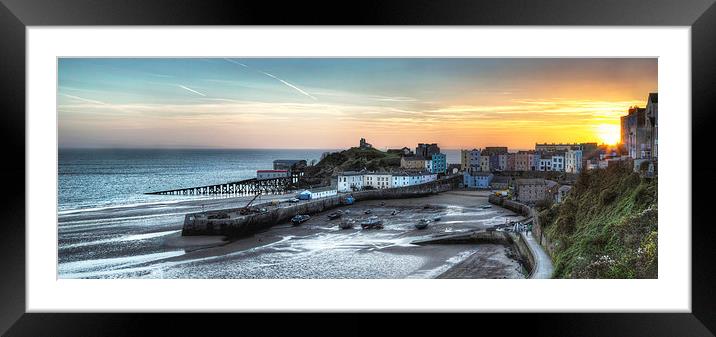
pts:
pixel 200 224
pixel 489 237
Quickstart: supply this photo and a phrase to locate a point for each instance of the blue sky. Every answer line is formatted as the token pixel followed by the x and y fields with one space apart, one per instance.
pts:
pixel 329 103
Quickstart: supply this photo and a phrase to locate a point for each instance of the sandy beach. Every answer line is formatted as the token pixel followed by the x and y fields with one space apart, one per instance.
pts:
pixel 317 248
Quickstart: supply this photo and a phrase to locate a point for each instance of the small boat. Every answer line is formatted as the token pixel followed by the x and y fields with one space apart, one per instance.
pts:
pixel 335 215
pixel 486 206
pixel 422 224
pixel 394 212
pixel 348 224
pixel 436 218
pixel 368 211
pixel 372 224
pixel 299 219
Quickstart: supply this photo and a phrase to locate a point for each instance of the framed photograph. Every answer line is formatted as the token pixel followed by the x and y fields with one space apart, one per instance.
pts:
pixel 495 160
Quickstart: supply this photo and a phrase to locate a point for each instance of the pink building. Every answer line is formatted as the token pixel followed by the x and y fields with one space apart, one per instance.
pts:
pixel 511 158
pixel 524 161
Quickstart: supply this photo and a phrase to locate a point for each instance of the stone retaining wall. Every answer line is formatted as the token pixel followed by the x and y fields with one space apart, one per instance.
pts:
pixel 527 211
pixel 488 237
pixel 199 224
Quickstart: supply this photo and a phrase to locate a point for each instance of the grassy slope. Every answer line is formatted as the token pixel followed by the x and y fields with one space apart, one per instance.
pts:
pixel 606 228
pixel 353 159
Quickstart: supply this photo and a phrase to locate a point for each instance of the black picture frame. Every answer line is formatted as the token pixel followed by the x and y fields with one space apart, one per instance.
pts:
pixel 16 15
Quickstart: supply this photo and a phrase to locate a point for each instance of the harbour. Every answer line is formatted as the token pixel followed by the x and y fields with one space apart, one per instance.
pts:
pixel 318 248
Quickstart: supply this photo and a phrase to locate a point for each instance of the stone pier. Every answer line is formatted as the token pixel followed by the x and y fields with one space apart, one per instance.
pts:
pixel 230 223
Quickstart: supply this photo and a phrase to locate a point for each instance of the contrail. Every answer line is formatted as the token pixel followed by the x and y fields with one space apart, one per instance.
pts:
pixel 192 90
pixel 290 85
pixel 84 99
pixel 235 62
pixel 276 78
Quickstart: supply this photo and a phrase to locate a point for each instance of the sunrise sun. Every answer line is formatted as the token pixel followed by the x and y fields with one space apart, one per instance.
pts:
pixel 608 133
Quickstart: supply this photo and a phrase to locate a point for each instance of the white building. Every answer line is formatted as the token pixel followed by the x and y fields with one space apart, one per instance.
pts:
pixel 354 181
pixel 502 162
pixel 551 162
pixel 558 162
pixel 400 180
pixel 349 181
pixel 484 163
pixel 429 165
pixel 428 177
pixel 545 164
pixel 470 160
pixel 422 177
pixel 323 193
pixel 377 180
pixel 573 161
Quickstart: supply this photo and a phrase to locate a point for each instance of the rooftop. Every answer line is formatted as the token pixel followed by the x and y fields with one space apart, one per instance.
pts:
pixel 501 179
pixel 396 173
pixel 479 174
pixel 534 181
pixel 288 161
pixel 351 173
pixel 565 188
pixel 654 97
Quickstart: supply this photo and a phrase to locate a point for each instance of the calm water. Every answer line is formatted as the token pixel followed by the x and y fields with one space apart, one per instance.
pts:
pixel 107 227
pixel 90 179
pixel 105 178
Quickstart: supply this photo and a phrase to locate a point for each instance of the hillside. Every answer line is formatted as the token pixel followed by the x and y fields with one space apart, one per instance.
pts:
pixel 353 159
pixel 606 228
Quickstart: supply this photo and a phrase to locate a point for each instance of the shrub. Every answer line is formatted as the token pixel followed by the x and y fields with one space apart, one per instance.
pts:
pixel 607 197
pixel 644 166
pixel 607 228
pixel 544 204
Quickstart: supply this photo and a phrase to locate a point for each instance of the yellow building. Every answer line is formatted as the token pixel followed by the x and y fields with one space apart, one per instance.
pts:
pixel 412 163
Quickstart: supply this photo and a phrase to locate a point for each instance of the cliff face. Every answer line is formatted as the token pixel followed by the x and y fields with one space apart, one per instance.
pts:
pixel 353 159
pixel 607 227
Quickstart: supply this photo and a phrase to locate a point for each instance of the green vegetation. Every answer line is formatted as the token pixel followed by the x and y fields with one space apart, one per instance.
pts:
pixel 353 159
pixel 606 227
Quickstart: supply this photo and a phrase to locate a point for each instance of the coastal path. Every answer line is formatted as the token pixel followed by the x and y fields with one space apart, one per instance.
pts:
pixel 543 267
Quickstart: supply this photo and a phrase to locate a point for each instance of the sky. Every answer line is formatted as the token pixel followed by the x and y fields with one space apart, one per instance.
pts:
pixel 326 103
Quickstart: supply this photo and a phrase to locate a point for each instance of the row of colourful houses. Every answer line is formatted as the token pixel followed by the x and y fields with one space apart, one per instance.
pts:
pixel 427 157
pixel 545 157
pixel 349 181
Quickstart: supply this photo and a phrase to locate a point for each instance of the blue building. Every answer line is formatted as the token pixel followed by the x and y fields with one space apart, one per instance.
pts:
pixel 477 179
pixel 494 162
pixel 439 163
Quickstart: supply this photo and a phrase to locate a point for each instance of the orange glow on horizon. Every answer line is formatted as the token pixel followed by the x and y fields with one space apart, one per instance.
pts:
pixel 609 134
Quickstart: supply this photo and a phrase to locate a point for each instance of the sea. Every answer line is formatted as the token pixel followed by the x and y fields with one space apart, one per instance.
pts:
pixel 101 178
pixel 109 228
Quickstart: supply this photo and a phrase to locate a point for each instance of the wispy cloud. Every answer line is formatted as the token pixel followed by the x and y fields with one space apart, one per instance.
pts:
pixel 395 99
pixel 236 62
pixel 84 99
pixel 290 85
pixel 190 89
pixel 303 92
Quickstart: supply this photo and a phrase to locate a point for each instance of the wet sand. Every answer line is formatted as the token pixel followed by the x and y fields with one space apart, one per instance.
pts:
pixel 317 248
pixel 492 261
